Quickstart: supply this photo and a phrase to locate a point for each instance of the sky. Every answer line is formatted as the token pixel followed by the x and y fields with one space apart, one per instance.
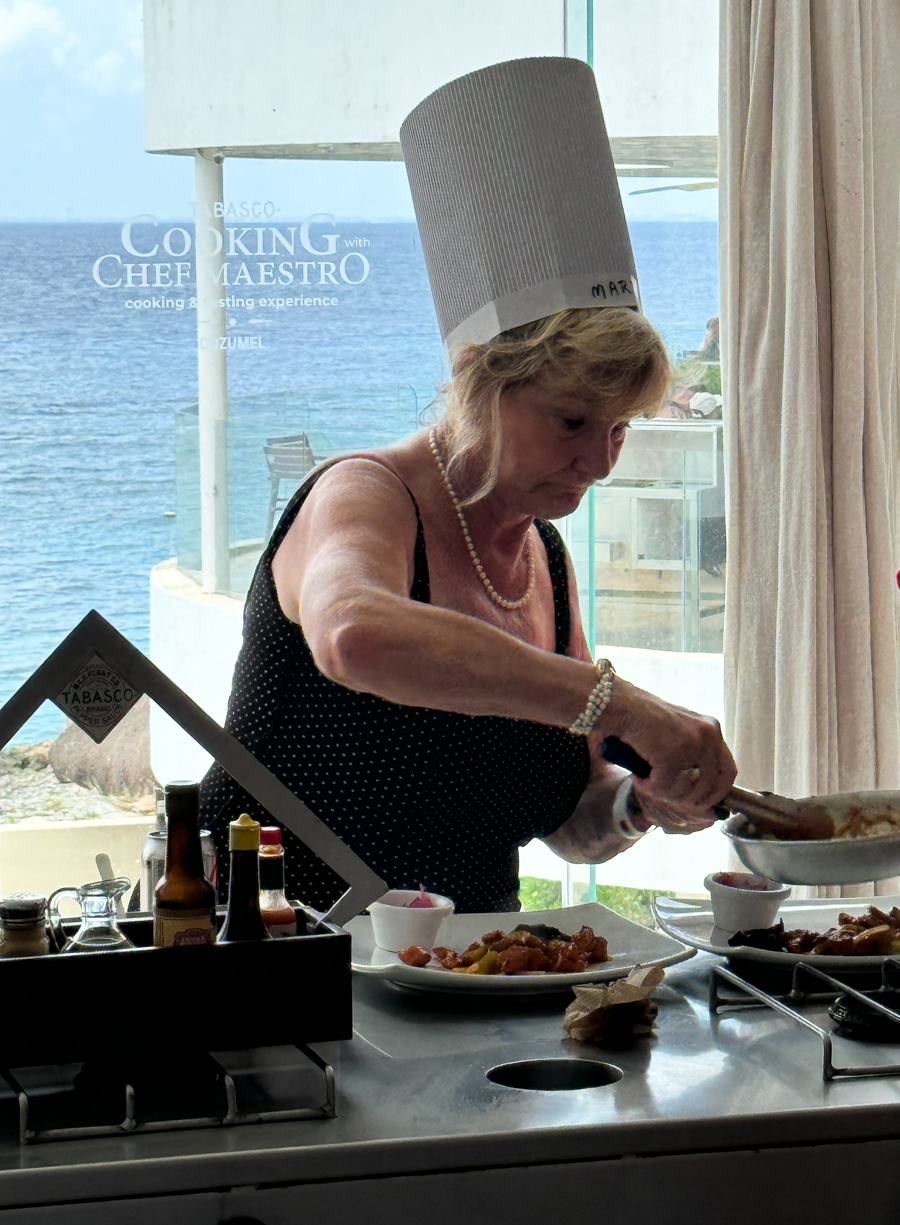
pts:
pixel 71 135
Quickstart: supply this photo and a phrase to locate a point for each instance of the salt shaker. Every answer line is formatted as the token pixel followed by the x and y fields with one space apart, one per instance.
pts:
pixel 23 925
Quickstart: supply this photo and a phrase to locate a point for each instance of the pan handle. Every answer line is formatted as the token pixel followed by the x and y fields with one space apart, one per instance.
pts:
pixel 618 753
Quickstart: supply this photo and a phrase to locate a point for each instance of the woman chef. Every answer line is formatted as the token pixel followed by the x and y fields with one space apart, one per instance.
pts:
pixel 413 664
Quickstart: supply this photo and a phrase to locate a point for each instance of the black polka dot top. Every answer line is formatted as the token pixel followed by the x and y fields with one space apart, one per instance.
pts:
pixel 423 796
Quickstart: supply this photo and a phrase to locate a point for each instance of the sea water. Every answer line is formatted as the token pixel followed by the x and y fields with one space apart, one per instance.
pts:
pixel 90 386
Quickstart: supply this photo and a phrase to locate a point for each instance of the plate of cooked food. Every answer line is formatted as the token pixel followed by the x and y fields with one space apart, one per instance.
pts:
pixel 838 933
pixel 525 953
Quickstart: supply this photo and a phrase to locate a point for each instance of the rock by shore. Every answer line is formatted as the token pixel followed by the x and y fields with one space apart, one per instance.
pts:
pixel 118 766
pixel 87 783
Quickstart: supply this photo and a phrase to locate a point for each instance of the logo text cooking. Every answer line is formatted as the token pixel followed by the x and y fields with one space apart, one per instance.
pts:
pixel 110 271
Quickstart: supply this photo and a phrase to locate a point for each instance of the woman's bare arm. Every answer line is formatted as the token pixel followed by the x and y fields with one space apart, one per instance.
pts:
pixel 344 572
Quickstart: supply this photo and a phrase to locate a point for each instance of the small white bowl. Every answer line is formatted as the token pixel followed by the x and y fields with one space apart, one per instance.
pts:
pixel 740 910
pixel 396 926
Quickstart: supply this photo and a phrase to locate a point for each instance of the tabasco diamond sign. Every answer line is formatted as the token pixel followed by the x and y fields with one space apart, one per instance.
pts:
pixel 97 698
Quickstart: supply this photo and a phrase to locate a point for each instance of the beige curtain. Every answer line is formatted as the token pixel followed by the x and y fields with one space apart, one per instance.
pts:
pixel 810 266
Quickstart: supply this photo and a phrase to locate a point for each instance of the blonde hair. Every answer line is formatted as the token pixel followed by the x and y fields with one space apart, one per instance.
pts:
pixel 610 353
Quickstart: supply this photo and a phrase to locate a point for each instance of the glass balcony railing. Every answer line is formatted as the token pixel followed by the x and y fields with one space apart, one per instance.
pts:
pixel 272 441
pixel 648 543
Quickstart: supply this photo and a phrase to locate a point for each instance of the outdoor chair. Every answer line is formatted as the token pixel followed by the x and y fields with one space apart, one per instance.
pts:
pixel 289 459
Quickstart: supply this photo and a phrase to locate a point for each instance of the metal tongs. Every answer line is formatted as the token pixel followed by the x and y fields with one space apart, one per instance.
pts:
pixel 794 819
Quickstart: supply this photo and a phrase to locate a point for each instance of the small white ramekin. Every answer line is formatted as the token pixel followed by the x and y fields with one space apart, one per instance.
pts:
pixel 396 926
pixel 740 910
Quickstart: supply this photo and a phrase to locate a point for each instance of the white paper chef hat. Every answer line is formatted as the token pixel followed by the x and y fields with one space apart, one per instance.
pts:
pixel 515 192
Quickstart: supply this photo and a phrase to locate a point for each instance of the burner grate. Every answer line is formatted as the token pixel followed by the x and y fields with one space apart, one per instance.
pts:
pixel 241 1097
pixel 786 1004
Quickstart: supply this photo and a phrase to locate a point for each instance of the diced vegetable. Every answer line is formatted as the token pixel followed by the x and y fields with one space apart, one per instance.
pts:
pixel 471 955
pixel 487 964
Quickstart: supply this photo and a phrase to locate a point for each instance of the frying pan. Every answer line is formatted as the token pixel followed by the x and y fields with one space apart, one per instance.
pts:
pixel 794 841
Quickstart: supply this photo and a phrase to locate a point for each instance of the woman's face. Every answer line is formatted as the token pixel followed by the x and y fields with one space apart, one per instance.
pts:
pixel 554 447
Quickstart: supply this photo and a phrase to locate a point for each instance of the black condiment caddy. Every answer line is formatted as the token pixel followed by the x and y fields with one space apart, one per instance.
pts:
pixel 292 990
pixel 289 991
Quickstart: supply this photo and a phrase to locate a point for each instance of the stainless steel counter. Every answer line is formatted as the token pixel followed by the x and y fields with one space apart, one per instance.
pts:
pixel 413 1099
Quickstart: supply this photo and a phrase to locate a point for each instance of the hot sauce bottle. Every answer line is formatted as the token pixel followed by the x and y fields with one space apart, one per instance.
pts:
pixel 243 920
pixel 276 911
pixel 184 905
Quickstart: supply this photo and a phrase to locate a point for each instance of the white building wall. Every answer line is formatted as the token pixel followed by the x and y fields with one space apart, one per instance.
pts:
pixel 657 66
pixel 270 73
pixel 349 71
pixel 194 640
pixel 694 679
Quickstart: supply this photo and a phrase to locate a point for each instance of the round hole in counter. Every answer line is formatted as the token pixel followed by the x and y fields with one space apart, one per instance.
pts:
pixel 554 1074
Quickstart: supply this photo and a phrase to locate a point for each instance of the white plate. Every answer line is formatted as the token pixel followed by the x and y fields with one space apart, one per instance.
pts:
pixel 629 945
pixel 692 923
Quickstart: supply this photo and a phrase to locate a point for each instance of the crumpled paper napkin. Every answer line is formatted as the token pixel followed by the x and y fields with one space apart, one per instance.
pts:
pixel 614 1011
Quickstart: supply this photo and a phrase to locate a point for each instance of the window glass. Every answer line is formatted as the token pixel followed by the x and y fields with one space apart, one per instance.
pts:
pixel 100 449
pixel 331 346
pixel 330 338
pixel 648 543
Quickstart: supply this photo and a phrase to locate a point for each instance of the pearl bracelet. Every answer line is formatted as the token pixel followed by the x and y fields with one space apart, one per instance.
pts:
pixel 601 695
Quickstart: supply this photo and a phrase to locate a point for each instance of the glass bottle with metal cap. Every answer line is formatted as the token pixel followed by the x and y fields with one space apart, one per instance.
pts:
pixel 23 925
pixel 244 920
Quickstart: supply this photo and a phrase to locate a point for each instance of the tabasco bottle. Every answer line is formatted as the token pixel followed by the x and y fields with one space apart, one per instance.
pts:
pixel 244 920
pixel 276 911
pixel 184 907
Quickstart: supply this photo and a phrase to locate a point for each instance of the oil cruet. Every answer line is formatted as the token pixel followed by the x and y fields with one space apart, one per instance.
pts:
pixel 99 930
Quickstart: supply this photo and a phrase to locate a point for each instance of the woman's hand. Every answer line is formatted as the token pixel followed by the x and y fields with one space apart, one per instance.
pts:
pixel 671 818
pixel 592 833
pixel 691 766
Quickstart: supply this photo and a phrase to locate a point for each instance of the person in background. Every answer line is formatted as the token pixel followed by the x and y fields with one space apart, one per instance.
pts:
pixel 710 349
pixel 697 373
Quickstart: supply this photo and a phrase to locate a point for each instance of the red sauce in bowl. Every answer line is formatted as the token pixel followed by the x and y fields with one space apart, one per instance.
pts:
pixel 741 880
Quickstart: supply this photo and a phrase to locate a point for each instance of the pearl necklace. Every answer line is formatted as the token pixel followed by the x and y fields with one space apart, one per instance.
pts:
pixel 509 605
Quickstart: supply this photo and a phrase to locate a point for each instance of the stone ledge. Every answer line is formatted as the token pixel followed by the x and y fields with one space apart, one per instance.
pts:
pixel 167 577
pixel 41 855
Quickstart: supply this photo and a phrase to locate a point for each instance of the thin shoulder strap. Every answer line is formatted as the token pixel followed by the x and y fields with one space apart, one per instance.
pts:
pixel 421 584
pixel 559 579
